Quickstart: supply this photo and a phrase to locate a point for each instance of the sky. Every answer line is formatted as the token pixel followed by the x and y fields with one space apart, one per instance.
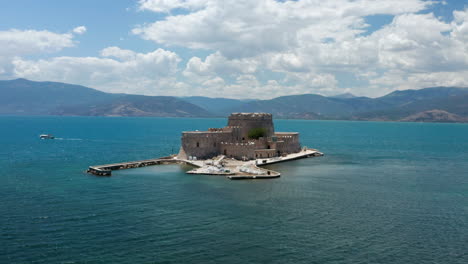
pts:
pixel 237 48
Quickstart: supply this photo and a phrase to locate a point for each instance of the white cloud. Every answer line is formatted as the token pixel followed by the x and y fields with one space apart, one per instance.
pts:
pixel 240 28
pixel 460 26
pixel 262 49
pixel 309 41
pixel 131 72
pixel 401 80
pixel 79 30
pixel 16 43
pixel 118 53
pixel 165 6
pixel 217 65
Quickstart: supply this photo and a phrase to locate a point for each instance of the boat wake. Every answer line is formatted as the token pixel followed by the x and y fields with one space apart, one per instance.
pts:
pixel 68 139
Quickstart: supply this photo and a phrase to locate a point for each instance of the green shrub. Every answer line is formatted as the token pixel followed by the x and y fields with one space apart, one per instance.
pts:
pixel 256 133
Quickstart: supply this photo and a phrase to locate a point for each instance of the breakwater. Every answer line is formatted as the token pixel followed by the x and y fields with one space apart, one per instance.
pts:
pixel 106 170
pixel 231 168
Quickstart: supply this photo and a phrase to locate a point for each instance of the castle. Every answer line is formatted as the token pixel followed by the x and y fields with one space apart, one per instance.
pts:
pixel 247 136
pixel 236 151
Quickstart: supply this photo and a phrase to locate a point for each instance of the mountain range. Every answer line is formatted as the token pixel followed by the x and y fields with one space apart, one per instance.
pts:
pixel 24 97
pixel 435 104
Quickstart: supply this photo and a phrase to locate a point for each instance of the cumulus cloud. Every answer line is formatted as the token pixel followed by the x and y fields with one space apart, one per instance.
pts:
pixel 239 28
pixel 18 43
pixel 79 30
pixel 262 49
pixel 117 70
pixel 309 42
pixel 217 65
pixel 165 6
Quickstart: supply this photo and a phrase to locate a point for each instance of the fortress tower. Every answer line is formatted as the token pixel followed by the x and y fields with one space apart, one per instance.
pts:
pixel 249 121
pixel 247 136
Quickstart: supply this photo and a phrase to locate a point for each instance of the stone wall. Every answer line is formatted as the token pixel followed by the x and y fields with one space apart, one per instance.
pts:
pixel 238 150
pixel 203 145
pixel 248 121
pixel 288 143
pixel 233 141
pixel 265 153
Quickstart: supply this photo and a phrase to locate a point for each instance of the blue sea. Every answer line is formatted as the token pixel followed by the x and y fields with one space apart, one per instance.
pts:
pixel 383 193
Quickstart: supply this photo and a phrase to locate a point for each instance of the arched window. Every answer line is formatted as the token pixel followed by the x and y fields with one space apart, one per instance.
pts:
pixel 198 144
pixel 225 152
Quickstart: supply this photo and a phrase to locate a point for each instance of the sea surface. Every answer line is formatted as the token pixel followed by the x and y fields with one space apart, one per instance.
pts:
pixel 383 193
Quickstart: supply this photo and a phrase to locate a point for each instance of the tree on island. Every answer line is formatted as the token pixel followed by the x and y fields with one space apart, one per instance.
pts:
pixel 256 133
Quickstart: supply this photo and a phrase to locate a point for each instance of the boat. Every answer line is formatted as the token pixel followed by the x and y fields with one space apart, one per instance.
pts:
pixel 46 136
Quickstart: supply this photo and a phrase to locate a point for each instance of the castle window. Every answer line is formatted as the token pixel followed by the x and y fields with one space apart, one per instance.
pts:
pixel 198 144
pixel 214 144
pixel 225 152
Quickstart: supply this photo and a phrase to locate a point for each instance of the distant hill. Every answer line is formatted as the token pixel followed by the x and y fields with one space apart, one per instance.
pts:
pixel 399 98
pixel 435 116
pixel 217 106
pixel 456 103
pixel 23 97
pixel 136 105
pixel 394 106
pixel 435 104
pixel 325 107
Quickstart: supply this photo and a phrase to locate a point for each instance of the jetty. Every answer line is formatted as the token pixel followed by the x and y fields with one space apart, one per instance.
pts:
pixel 106 170
pixel 220 166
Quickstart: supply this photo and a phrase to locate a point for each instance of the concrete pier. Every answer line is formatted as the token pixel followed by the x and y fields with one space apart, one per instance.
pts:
pixel 221 166
pixel 106 170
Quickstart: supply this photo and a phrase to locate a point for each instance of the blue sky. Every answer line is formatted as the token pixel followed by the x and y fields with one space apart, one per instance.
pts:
pixel 237 49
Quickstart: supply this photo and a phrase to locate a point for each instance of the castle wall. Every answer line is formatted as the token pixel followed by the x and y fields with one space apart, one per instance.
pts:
pixel 246 122
pixel 288 143
pixel 203 145
pixel 238 151
pixel 265 153
pixel 233 141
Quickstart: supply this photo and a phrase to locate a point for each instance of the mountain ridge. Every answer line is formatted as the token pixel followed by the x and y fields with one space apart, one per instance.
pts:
pixel 25 97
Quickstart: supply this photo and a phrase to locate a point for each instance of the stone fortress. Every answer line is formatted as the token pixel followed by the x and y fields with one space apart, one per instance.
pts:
pixel 236 151
pixel 247 136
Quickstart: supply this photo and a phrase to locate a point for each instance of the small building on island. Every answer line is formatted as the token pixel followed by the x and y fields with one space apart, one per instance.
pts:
pixel 247 136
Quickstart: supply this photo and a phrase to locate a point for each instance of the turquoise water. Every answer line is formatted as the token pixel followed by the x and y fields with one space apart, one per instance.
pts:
pixel 383 193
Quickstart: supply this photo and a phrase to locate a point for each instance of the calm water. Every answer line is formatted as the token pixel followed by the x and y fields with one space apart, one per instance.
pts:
pixel 384 193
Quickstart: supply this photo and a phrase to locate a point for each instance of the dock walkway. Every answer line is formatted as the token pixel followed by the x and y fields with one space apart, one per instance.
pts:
pixel 106 170
pixel 231 168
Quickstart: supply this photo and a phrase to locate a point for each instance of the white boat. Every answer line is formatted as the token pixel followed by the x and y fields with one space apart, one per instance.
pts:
pixel 46 136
